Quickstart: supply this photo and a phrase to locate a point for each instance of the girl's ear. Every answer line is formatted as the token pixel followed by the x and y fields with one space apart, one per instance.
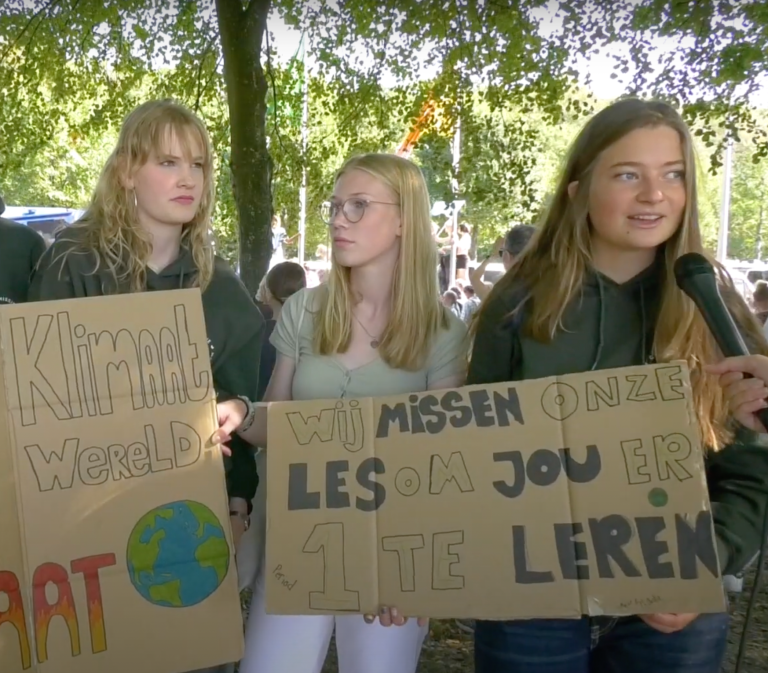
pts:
pixel 126 178
pixel 572 188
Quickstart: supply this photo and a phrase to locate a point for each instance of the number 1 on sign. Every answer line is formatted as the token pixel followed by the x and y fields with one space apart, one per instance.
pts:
pixel 329 538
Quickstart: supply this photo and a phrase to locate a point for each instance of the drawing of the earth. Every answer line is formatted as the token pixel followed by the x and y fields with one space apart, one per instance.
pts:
pixel 178 554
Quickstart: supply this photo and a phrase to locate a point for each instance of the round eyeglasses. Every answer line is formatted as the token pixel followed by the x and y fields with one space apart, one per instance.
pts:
pixel 353 209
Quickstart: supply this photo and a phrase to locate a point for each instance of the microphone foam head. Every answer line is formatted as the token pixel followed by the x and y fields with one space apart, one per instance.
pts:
pixel 692 264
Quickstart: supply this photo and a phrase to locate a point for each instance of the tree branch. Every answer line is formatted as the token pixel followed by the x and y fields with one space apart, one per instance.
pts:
pixel 212 76
pixel 201 89
pixel 271 76
pixel 51 4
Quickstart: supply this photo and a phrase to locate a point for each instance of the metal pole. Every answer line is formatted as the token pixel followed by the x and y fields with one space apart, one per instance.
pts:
pixel 725 205
pixel 304 142
pixel 455 185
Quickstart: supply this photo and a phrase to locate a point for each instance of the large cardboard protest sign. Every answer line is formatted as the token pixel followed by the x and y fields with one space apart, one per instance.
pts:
pixel 583 494
pixel 115 546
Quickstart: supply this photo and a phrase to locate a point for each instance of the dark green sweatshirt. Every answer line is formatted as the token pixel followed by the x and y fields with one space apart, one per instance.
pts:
pixel 233 323
pixel 611 325
pixel 20 250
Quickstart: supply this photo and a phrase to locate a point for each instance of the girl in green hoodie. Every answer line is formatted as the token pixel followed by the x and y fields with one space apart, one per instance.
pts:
pixel 146 229
pixel 595 289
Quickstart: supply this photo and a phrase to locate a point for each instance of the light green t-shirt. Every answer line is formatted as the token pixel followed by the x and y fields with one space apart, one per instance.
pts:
pixel 324 377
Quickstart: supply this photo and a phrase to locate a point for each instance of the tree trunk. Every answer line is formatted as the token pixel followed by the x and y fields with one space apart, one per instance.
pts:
pixel 241 28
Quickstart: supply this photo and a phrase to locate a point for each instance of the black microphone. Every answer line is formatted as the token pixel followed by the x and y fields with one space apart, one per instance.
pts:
pixel 695 276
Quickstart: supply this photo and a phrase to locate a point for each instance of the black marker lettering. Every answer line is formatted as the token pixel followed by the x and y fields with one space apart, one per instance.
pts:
pixel 365 469
pixel 523 574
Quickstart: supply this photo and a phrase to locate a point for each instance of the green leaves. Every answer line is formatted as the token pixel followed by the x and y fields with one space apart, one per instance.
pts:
pixel 70 70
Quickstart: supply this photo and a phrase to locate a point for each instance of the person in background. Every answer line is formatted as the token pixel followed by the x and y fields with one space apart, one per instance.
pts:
pixel 451 302
pixel 279 239
pixel 463 245
pixel 506 249
pixel 322 253
pixel 147 229
pixel 458 290
pixel 20 250
pixel 374 328
pixel 281 282
pixel 471 305
pixel 443 237
pixel 595 290
pixel 760 301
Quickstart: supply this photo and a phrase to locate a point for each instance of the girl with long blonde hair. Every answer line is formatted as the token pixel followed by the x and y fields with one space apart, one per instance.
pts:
pixel 147 228
pixel 376 327
pixel 595 289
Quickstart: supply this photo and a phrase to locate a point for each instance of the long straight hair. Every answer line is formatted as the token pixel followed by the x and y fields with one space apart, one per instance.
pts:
pixel 553 266
pixel 111 224
pixel 416 314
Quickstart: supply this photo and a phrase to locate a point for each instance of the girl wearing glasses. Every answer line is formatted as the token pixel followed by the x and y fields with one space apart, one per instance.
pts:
pixel 376 327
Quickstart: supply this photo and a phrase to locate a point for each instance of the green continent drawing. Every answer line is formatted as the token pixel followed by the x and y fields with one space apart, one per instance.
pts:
pixel 178 554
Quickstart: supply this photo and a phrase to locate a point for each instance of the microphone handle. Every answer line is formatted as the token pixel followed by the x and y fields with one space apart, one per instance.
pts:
pixel 728 337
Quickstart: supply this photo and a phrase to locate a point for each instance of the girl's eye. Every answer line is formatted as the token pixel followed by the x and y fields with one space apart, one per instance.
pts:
pixel 627 176
pixel 676 175
pixel 168 162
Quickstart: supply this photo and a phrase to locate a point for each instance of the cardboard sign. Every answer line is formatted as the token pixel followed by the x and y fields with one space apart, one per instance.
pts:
pixel 558 497
pixel 115 545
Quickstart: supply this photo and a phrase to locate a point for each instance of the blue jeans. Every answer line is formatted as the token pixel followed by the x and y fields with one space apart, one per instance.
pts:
pixel 599 645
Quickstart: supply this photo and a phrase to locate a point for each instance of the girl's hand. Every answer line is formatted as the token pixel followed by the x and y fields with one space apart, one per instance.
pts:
pixel 391 617
pixel 231 414
pixel 668 622
pixel 746 396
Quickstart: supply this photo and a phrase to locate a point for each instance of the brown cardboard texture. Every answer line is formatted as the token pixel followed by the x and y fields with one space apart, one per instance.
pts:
pixel 583 494
pixel 115 546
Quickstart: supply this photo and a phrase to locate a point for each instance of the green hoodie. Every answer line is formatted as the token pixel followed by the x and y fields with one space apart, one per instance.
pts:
pixel 233 323
pixel 20 250
pixel 611 325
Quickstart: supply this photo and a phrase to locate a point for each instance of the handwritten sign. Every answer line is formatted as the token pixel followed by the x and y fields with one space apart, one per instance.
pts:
pixel 113 516
pixel 583 494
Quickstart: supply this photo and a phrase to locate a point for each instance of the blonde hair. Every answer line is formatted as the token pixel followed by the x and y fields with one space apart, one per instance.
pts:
pixel 416 313
pixel 553 266
pixel 262 292
pixel 110 224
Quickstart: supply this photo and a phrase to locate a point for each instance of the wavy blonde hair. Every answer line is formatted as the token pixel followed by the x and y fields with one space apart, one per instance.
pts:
pixel 111 225
pixel 416 315
pixel 553 266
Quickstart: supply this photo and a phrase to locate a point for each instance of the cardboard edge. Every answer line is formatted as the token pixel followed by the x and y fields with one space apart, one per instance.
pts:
pixel 11 442
pixel 583 607
pixel 371 420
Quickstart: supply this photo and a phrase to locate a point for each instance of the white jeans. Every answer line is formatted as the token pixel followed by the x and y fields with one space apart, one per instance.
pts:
pixel 288 644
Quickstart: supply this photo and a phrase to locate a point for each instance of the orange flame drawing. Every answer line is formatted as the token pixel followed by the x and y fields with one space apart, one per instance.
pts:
pixel 89 567
pixel 44 612
pixel 14 615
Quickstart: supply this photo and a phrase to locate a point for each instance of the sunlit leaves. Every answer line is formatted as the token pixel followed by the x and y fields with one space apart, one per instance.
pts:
pixel 707 56
pixel 71 69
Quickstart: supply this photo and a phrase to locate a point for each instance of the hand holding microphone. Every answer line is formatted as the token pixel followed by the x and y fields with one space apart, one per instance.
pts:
pixel 746 395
